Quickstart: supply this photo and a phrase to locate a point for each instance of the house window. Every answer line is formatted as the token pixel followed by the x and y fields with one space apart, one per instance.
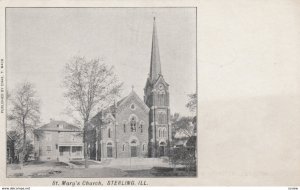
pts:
pixel 73 137
pixel 143 147
pixel 124 127
pixel 61 135
pixel 123 147
pixel 48 137
pixel 48 148
pixel 133 124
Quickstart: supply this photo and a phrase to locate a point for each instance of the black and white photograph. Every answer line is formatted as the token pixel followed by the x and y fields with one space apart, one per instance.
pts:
pixel 101 92
pixel 139 94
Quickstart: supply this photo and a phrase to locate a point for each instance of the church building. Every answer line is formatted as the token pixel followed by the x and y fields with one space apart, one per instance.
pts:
pixel 133 127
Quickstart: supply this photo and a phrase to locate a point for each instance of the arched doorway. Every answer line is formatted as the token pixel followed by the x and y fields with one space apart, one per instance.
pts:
pixel 109 150
pixel 162 147
pixel 133 148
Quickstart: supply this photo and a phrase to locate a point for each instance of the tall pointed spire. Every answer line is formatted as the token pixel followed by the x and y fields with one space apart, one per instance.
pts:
pixel 155 67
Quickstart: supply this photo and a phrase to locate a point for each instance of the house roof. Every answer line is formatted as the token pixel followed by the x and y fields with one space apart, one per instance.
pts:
pixel 55 126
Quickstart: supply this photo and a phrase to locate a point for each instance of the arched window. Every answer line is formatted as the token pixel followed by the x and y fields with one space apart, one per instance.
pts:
pixel 133 124
pixel 158 132
pixel 144 147
pixel 124 127
pixel 109 133
pixel 163 132
pixel 123 147
pixel 161 97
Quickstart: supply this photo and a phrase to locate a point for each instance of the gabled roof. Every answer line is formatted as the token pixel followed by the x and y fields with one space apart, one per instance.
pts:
pixel 161 79
pixel 54 126
pixel 119 104
pixel 134 95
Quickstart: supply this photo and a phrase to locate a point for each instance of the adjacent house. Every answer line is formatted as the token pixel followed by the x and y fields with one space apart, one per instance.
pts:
pixel 58 140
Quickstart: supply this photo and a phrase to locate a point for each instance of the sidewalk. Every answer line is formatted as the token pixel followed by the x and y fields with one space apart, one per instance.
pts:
pixel 137 163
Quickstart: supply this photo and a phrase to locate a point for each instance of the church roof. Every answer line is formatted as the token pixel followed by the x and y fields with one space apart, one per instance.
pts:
pixel 134 95
pixel 111 108
pixel 155 66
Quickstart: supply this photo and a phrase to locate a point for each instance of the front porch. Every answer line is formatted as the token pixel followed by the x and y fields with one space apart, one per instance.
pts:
pixel 70 152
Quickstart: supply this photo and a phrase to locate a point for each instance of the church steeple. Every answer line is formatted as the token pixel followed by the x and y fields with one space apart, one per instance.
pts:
pixel 155 67
pixel 156 98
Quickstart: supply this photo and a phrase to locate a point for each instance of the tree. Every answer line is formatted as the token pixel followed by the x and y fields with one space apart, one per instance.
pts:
pixel 192 104
pixel 25 112
pixel 182 124
pixel 90 84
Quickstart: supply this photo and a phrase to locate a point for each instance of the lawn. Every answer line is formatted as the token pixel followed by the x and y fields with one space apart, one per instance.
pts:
pixel 45 163
pixel 90 173
pixel 38 169
pixel 82 163
pixel 161 172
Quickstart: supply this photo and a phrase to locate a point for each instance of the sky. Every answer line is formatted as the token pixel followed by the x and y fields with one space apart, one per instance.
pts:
pixel 244 49
pixel 40 41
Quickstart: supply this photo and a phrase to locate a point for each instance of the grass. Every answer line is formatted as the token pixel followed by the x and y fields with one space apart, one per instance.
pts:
pixel 82 163
pixel 45 163
pixel 59 169
pixel 90 173
pixel 168 171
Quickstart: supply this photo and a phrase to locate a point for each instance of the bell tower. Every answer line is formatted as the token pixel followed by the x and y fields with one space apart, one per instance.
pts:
pixel 156 97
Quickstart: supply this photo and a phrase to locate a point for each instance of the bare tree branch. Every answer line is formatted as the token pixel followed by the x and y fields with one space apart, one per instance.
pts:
pixel 192 104
pixel 89 84
pixel 24 110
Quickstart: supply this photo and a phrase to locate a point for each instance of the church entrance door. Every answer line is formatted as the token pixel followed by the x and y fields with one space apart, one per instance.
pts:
pixel 109 150
pixel 133 151
pixel 133 148
pixel 162 147
pixel 161 151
